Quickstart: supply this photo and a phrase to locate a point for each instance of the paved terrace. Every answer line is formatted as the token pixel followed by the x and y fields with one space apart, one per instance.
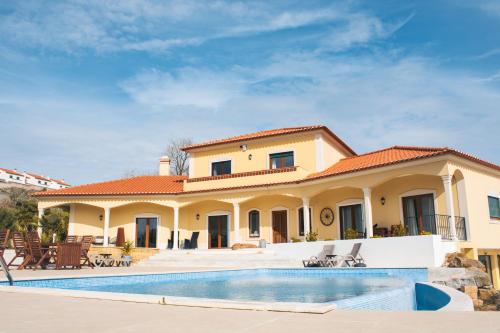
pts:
pixel 43 313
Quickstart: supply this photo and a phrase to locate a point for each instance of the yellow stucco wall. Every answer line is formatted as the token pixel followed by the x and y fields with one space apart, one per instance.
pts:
pixel 485 233
pixel 391 212
pixel 86 220
pixel 304 147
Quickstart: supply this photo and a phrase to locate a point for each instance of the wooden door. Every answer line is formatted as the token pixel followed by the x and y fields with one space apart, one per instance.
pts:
pixel 217 232
pixel 280 231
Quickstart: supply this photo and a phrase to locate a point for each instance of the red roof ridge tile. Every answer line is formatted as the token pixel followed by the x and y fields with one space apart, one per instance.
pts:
pixel 269 133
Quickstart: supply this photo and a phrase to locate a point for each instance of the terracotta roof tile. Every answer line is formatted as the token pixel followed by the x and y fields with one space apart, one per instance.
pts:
pixel 13 172
pixel 174 184
pixel 270 133
pixel 388 156
pixel 127 186
pixel 34 175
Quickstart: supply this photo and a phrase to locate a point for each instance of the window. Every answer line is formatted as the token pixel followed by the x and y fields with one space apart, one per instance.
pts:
pixel 301 221
pixel 281 160
pixel 10 176
pixel 494 205
pixel 254 223
pixel 221 168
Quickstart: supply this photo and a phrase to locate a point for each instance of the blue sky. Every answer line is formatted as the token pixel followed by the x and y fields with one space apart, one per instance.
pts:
pixel 91 90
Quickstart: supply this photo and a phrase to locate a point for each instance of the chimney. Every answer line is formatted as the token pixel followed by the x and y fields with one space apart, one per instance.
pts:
pixel 164 166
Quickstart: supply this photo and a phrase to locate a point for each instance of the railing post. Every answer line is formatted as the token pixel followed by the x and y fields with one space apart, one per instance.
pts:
pixel 450 209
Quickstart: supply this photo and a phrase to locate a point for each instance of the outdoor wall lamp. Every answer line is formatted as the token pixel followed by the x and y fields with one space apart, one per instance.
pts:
pixel 382 201
pixel 250 156
pixel 198 216
pixel 100 217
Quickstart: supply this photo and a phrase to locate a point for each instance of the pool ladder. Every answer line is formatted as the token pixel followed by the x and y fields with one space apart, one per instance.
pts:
pixel 6 270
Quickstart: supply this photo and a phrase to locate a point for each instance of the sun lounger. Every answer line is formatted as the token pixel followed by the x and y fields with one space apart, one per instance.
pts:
pixel 321 259
pixel 349 260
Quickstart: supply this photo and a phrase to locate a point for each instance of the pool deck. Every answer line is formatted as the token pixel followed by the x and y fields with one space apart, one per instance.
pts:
pixel 22 312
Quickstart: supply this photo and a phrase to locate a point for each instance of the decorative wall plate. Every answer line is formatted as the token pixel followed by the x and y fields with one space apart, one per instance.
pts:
pixel 326 216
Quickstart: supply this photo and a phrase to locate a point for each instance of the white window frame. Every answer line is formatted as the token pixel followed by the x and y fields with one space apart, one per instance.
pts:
pixel 248 223
pixel 278 208
pixel 411 193
pixel 280 152
pixel 495 195
pixel 349 202
pixel 158 226
pixel 219 213
pixel 298 221
pixel 221 159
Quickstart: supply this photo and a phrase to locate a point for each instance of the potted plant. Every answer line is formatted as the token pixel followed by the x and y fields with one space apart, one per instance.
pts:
pixel 350 233
pixel 312 236
pixel 127 250
pixel 399 230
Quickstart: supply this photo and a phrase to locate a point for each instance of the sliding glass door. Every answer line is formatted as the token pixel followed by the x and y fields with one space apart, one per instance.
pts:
pixel 419 215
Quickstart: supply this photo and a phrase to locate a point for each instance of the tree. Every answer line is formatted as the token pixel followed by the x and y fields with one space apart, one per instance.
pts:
pixel 179 159
pixel 55 221
pixel 22 207
pixel 7 218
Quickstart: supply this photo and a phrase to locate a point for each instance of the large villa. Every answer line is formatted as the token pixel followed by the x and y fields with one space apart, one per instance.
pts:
pixel 289 184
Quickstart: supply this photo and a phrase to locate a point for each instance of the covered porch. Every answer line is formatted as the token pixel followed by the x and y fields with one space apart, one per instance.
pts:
pixel 420 203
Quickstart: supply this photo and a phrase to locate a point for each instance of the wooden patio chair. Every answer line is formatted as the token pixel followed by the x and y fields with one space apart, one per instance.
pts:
pixel 71 239
pixel 21 250
pixel 68 255
pixel 37 253
pixel 86 244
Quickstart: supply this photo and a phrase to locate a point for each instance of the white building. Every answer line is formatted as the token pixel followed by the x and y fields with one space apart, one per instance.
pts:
pixel 30 180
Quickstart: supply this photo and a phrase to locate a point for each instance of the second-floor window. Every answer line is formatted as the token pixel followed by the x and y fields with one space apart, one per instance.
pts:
pixel 494 206
pixel 281 160
pixel 221 168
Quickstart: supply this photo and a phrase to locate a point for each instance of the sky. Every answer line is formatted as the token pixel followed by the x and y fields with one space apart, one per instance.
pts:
pixel 92 90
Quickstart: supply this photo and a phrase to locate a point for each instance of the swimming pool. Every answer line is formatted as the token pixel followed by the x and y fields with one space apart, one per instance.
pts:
pixel 377 289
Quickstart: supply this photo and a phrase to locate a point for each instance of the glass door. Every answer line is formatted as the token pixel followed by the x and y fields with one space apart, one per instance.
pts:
pixel 351 218
pixel 418 214
pixel 145 232
pixel 217 232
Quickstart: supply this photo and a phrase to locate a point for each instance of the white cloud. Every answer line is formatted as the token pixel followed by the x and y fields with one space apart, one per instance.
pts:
pixel 186 87
pixel 158 26
pixel 371 101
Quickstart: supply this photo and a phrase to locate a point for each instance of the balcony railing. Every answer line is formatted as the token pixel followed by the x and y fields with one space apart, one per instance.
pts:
pixel 436 224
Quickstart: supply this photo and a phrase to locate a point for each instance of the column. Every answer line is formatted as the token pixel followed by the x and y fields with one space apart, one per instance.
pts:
pixel 41 211
pixel 307 218
pixel 367 197
pixel 450 210
pixel 107 210
pixel 71 222
pixel 236 217
pixel 175 246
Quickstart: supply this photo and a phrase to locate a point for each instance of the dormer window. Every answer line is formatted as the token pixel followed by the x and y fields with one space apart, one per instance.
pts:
pixel 221 168
pixel 281 160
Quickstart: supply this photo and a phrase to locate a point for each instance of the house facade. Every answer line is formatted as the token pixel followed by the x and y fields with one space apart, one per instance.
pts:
pixel 287 184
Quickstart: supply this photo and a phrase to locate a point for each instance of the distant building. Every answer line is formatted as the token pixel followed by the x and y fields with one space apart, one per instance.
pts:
pixel 29 180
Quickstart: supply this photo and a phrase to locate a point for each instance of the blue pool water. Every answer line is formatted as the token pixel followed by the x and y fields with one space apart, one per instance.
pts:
pixel 267 285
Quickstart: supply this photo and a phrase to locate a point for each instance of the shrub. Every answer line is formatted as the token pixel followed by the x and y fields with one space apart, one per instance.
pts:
pixel 127 248
pixel 350 233
pixel 295 240
pixel 399 231
pixel 312 236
